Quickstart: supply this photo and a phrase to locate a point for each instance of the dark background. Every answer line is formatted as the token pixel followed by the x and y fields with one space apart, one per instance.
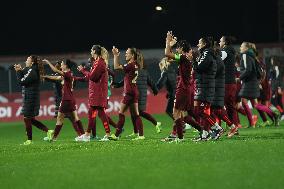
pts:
pixel 74 26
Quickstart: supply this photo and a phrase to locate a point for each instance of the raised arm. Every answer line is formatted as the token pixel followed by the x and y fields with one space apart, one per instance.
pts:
pixel 170 41
pixel 116 54
pixel 53 68
pixel 52 77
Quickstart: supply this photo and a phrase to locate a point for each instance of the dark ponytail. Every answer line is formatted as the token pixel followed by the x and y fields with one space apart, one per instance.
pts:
pixel 97 49
pixel 134 53
pixel 38 61
pixel 184 45
pixel 229 40
pixel 208 41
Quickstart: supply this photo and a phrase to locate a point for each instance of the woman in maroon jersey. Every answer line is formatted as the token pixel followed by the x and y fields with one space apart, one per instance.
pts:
pixel 68 103
pixel 57 84
pixel 265 89
pixel 130 91
pixel 184 91
pixel 98 92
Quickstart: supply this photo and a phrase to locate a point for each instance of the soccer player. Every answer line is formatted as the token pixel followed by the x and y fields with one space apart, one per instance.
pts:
pixel 29 78
pixel 252 119
pixel 183 93
pixel 130 92
pixel 68 103
pixel 250 84
pixel 265 91
pixel 205 70
pixel 143 81
pixel 276 80
pixel 229 58
pixel 57 85
pixel 98 92
pixel 218 111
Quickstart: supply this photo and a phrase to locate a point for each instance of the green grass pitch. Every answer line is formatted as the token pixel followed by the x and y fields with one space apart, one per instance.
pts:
pixel 255 159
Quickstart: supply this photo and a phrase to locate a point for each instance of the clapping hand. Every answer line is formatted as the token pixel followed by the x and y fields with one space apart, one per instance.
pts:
pixel 80 68
pixel 115 51
pixel 17 67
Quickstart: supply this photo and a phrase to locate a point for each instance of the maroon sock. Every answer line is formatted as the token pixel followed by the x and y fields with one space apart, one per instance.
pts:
pixel 111 122
pixel 222 114
pixel 148 117
pixel 94 127
pixel 57 130
pixel 28 124
pixel 265 109
pixel 192 122
pixel 139 125
pixel 278 108
pixel 174 131
pixel 39 125
pixel 209 120
pixel 242 111
pixel 179 126
pixel 75 127
pixel 236 119
pixel 134 124
pixel 120 124
pixel 207 126
pixel 248 112
pixel 80 127
pixel 74 124
pixel 197 116
pixel 232 113
pixel 262 115
pixel 91 122
pixel 226 119
pixel 205 119
pixel 104 120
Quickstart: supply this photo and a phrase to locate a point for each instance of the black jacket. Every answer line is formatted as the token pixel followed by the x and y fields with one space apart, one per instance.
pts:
pixel 229 63
pixel 57 86
pixel 143 81
pixel 250 84
pixel 219 96
pixel 169 80
pixel 205 70
pixel 29 79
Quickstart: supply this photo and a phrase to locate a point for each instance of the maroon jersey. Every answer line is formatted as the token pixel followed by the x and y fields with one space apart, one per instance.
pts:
pixel 67 89
pixel 185 68
pixel 131 74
